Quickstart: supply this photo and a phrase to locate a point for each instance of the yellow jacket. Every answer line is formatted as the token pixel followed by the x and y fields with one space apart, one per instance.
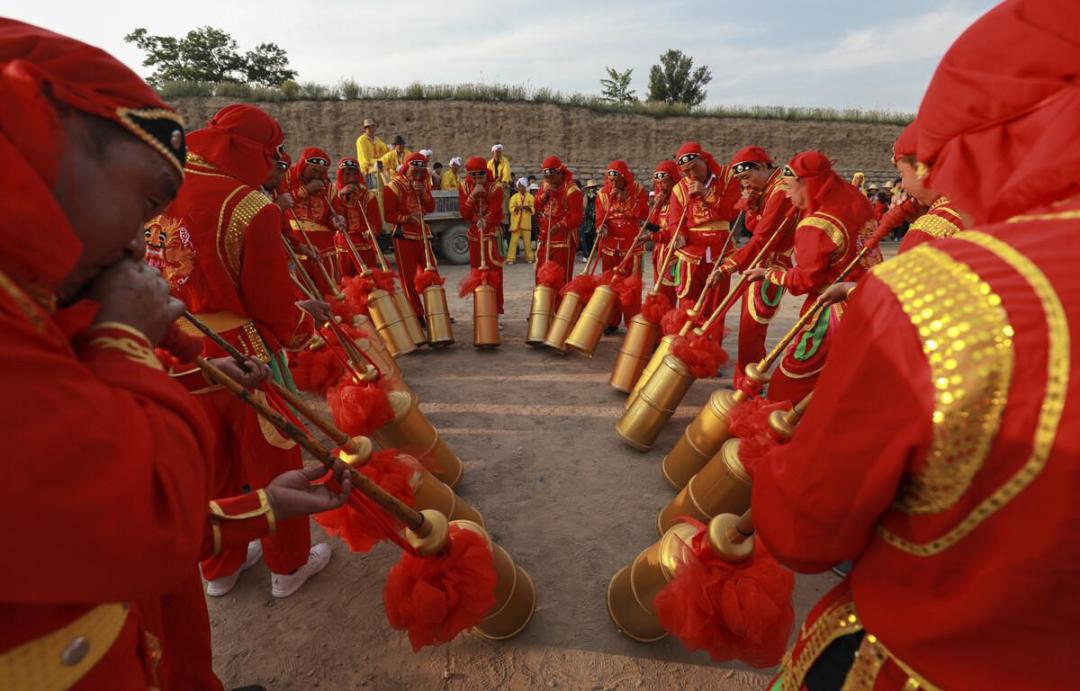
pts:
pixel 503 176
pixel 367 152
pixel 521 211
pixel 392 161
pixel 449 181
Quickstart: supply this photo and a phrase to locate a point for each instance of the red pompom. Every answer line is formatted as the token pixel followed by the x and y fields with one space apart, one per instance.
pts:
pixel 673 322
pixel 701 354
pixel 732 611
pixel 749 422
pixel 315 370
pixel 359 408
pixel 583 285
pixel 654 307
pixel 628 291
pixel 389 470
pixel 182 346
pixel 384 280
pixel 426 278
pixel 436 598
pixel 551 275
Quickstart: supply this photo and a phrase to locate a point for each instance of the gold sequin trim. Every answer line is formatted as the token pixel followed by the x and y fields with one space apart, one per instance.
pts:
pixel 967 340
pixel 869 659
pixel 936 226
pixel 831 226
pixel 222 236
pixel 241 218
pixel 839 620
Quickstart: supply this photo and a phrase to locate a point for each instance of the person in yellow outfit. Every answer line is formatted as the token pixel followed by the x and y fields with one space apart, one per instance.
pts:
pixel 450 179
pixel 369 148
pixel 522 208
pixel 393 158
pixel 499 166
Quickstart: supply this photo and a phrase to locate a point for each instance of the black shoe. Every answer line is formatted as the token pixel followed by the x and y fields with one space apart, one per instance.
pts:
pixel 611 330
pixel 423 322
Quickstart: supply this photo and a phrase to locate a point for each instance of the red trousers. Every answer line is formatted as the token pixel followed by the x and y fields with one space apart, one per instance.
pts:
pixel 494 262
pixel 410 257
pixel 691 282
pixel 187 659
pixel 609 259
pixel 760 302
pixel 345 261
pixel 250 452
pixel 563 256
pixel 666 283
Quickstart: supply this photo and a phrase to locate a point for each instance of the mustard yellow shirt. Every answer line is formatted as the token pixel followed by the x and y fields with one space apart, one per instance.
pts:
pixel 449 181
pixel 367 152
pixel 503 176
pixel 392 161
pixel 521 211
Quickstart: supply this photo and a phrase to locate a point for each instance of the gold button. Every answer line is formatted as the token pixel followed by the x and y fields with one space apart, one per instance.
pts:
pixel 75 651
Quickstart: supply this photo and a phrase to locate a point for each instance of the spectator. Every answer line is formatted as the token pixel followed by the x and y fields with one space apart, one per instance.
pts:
pixel 587 230
pixel 393 158
pixel 436 175
pixel 499 165
pixel 521 216
pixel 451 179
pixel 369 149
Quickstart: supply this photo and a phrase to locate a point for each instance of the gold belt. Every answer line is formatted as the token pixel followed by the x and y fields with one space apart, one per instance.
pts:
pixel 224 321
pixel 308 226
pixel 60 658
pixel 711 227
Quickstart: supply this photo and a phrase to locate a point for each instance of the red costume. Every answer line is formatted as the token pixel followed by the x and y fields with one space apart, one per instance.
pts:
pixel 559 211
pixel 706 225
pixel 938 452
pixel 311 218
pixel 484 214
pixel 402 203
pixel 619 217
pixel 362 221
pixel 825 243
pixel 657 223
pixel 235 277
pixel 938 221
pixel 767 213
pixel 108 537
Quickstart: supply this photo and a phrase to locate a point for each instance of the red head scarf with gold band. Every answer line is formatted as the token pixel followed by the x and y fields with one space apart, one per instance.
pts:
pixel 555 163
pixel 37 244
pixel 906 144
pixel 310 156
pixel 999 125
pixel 620 167
pixel 690 150
pixel 414 160
pixel 476 164
pixel 669 167
pixel 349 164
pixel 823 186
pixel 241 141
pixel 751 154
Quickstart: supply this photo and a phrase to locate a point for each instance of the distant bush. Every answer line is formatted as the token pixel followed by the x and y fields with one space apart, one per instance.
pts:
pixel 515 93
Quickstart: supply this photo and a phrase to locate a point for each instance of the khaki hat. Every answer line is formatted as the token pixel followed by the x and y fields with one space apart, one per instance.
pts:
pixel 368 122
pixel 590 184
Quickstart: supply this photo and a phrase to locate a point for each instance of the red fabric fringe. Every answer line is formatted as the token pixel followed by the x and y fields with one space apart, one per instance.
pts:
pixel 627 290
pixel 476 278
pixel 359 408
pixel 426 278
pixel 550 274
pixel 436 598
pixel 749 422
pixel 383 279
pixel 315 370
pixel 583 285
pixel 392 472
pixel 654 307
pixel 731 611
pixel 701 354
pixel 672 322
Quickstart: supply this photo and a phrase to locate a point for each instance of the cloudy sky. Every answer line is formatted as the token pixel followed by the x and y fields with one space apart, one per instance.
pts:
pixel 837 53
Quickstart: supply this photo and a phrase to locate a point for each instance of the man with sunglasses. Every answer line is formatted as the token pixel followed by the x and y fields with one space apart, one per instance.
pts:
pixel 833 214
pixel 701 209
pixel 312 218
pixel 621 208
pixel 406 198
pixel 480 199
pixel 560 205
pixel 360 208
pixel 665 177
pixel 768 212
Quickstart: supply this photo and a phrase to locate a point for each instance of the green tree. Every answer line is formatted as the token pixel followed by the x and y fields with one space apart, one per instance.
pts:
pixel 616 88
pixel 210 55
pixel 675 80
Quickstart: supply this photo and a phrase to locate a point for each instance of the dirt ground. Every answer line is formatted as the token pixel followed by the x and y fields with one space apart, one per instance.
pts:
pixel 558 490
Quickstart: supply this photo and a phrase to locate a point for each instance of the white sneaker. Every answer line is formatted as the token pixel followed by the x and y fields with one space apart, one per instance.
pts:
pixel 500 324
pixel 224 585
pixel 285 584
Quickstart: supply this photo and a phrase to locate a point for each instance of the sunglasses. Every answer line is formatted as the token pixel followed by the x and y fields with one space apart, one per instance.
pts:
pixel 282 165
pixel 349 164
pixel 550 171
pixel 660 175
pixel 418 164
pixel 687 158
pixel 318 161
pixel 614 174
pixel 745 167
pixel 788 172
pixel 477 173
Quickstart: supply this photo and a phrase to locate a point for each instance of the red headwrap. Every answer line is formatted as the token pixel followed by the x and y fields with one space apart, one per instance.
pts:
pixel 751 154
pixel 827 191
pixel 297 172
pixel 695 148
pixel 240 140
pixel 415 156
pixel 906 143
pixel 671 168
pixel 347 163
pixel 37 245
pixel 622 169
pixel 1000 123
pixel 556 163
